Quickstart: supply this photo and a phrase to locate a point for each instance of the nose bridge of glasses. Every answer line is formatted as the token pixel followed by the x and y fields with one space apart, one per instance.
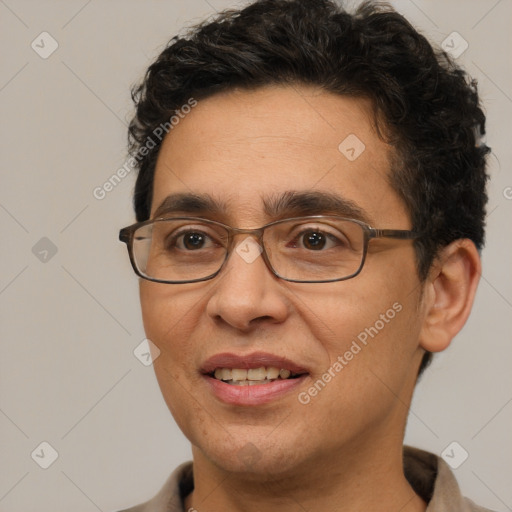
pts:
pixel 246 247
pixel 256 232
pixel 237 233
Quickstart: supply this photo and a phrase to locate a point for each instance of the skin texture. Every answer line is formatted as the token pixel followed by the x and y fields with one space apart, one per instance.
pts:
pixel 343 450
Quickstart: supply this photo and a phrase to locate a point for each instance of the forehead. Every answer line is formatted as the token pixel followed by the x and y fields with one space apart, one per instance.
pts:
pixel 243 147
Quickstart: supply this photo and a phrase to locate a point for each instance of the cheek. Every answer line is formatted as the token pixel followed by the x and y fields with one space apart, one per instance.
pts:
pixel 169 322
pixel 166 313
pixel 371 322
pixel 369 345
pixel 338 316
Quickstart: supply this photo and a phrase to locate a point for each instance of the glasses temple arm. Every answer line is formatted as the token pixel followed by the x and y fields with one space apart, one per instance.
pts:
pixel 402 234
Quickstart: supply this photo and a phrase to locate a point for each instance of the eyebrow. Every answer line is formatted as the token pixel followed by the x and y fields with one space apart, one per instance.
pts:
pixel 287 204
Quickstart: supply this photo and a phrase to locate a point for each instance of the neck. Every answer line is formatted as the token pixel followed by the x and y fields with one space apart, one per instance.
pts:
pixel 350 481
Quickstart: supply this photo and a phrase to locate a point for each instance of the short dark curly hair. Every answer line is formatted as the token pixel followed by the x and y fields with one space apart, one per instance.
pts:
pixel 425 106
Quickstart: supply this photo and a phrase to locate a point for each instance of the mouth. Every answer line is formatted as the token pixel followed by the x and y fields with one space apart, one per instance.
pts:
pixel 253 376
pixel 252 379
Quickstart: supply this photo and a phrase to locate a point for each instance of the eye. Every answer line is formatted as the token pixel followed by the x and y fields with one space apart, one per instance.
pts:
pixel 316 239
pixel 192 240
pixel 189 240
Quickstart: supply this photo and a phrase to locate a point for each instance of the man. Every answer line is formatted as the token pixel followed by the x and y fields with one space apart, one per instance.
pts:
pixel 310 205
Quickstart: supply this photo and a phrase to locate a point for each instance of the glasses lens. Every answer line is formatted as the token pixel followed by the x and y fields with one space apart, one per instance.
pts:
pixel 315 250
pixel 179 250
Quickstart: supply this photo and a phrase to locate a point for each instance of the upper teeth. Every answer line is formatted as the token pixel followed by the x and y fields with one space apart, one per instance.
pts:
pixel 240 374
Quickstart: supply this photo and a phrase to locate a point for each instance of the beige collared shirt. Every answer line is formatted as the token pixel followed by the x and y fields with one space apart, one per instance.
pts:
pixel 428 474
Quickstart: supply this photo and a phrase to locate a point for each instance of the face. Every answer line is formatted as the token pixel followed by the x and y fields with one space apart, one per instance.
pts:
pixel 354 342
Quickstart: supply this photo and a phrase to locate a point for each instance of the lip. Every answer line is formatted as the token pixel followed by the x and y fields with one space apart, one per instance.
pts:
pixel 257 394
pixel 248 361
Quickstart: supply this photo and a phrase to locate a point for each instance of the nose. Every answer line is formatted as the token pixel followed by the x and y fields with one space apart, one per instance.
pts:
pixel 247 293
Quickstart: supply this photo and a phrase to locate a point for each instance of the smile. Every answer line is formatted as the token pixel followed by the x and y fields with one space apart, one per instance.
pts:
pixel 252 376
pixel 252 379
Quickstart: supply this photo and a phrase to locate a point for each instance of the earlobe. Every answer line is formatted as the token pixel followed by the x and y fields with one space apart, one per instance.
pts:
pixel 449 293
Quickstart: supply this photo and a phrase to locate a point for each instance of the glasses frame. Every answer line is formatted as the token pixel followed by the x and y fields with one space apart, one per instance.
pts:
pixel 126 235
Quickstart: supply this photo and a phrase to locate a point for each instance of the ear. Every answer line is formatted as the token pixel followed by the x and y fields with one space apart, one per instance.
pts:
pixel 449 293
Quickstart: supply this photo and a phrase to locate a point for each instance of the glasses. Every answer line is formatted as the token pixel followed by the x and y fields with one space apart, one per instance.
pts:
pixel 313 249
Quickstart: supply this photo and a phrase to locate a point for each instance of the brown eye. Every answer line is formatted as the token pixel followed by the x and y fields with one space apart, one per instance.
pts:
pixel 313 240
pixel 193 241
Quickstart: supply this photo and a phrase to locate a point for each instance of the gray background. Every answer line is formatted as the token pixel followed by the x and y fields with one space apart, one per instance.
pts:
pixel 70 320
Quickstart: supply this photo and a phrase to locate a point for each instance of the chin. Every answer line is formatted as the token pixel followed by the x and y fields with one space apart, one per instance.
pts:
pixel 255 460
pixel 259 468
